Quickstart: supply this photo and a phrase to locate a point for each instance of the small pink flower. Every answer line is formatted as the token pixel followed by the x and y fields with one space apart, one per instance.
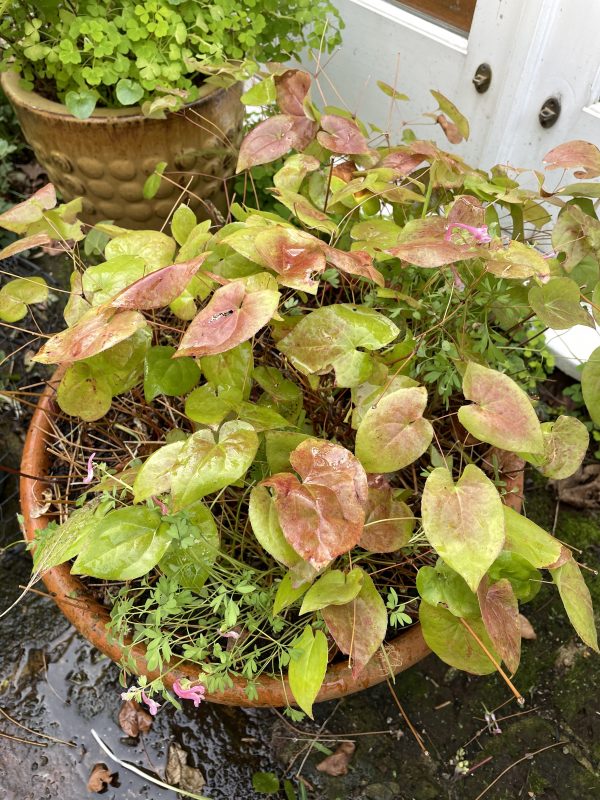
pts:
pixel 90 469
pixel 163 509
pixel 153 706
pixel 195 693
pixel 480 234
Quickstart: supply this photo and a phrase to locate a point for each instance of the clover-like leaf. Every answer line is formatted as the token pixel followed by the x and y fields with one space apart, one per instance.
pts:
pixel 183 224
pixel 128 92
pixel 17 294
pixel 334 588
pixel 81 104
pixel 329 338
pixel 500 615
pixel 358 627
pixel 501 413
pixel 576 153
pixel 389 522
pixel 557 304
pixel 273 138
pixel 308 214
pixel 293 254
pixel 529 541
pixel 154 477
pixel 160 287
pixel 322 516
pixel 577 601
pixel 394 433
pixel 18 218
pixel 206 464
pixel 342 135
pixel 566 441
pixel 164 374
pixel 464 522
pixel 233 315
pixel 451 640
pixel 308 665
pixel 96 331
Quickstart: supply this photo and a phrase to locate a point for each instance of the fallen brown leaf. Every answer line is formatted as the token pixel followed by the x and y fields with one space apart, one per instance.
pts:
pixel 527 631
pixel 100 778
pixel 133 719
pixel 179 774
pixel 337 763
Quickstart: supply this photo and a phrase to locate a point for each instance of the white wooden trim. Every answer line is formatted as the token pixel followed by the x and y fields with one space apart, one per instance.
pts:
pixel 593 110
pixel 413 22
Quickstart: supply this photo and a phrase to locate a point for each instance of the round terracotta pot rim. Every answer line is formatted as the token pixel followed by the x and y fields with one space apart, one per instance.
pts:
pixel 90 617
pixel 10 83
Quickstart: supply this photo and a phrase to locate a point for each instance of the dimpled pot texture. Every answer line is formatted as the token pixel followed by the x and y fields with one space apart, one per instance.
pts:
pixel 106 158
pixel 90 617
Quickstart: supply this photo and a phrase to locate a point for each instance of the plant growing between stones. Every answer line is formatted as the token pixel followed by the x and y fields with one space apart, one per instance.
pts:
pixel 293 425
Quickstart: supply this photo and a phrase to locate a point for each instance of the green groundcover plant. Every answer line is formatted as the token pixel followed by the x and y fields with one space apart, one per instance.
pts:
pixel 293 424
pixel 150 52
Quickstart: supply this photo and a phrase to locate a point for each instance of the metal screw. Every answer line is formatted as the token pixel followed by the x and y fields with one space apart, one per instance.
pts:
pixel 549 112
pixel 482 78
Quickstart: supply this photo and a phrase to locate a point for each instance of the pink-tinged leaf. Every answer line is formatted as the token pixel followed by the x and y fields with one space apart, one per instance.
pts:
pixel 294 255
pixel 566 441
pixel 292 87
pixel 341 135
pixel 402 161
pixel 234 314
pixel 467 210
pixel 502 413
pixel 357 262
pixel 273 138
pixel 358 627
pixel 577 601
pixel 36 240
pixel 517 261
pixel 423 243
pixel 393 433
pixel 159 288
pixel 500 614
pixel 464 522
pixel 18 218
pixel 575 154
pixel 97 330
pixel 451 130
pixel 389 523
pixel 322 516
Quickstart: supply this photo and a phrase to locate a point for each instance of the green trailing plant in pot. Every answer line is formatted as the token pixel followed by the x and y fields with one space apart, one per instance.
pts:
pixel 260 492
pixel 105 91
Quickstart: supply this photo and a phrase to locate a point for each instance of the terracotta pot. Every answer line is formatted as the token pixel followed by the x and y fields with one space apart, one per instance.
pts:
pixel 90 617
pixel 106 159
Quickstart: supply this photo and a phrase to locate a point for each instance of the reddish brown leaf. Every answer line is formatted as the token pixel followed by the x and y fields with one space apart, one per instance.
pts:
pixel 36 240
pixel 100 778
pixel 337 763
pixel 294 255
pixel 500 614
pixel 575 154
pixel 467 210
pixel 322 516
pixel 159 288
pixel 402 161
pixel 133 720
pixel 451 131
pixel 234 314
pixel 19 217
pixel 273 138
pixel 341 135
pixel 357 262
pixel 398 522
pixel 358 627
pixel 423 243
pixel 292 87
pixel 98 329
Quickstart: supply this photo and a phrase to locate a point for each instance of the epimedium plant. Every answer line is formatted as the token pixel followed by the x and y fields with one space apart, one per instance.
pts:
pixel 320 402
pixel 150 52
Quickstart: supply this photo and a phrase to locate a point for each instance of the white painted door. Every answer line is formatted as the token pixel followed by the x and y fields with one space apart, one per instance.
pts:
pixel 537 49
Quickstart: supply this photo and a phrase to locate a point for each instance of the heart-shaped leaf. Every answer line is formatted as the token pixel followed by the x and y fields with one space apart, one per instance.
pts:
pixel 355 263
pixel 156 248
pixel 566 441
pixel 441 584
pixel 189 564
pixel 273 138
pixel 464 522
pixel 530 541
pixel 557 304
pixel 367 395
pixel 84 392
pixel 573 154
pixel 358 627
pixel 18 218
pixel 502 413
pixel 341 135
pixel 234 314
pixel 423 243
pixel 516 261
pixel 101 282
pixel 334 588
pixel 206 465
pixel 127 544
pixel 209 405
pixel 450 639
pixel 292 88
pixel 183 223
pixel 161 287
pixel 500 615
pixel 81 104
pixel 308 665
pixel 96 331
pixel 389 522
pixel 128 92
pixel 577 601
pixel 232 369
pixel 393 433
pixel 164 374
pixel 154 477
pixel 329 338
pixel 294 255
pixel 66 540
pixel 323 516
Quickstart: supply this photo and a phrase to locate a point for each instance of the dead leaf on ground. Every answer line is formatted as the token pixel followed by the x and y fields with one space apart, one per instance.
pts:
pixel 337 763
pixel 581 490
pixel 133 719
pixel 527 631
pixel 100 778
pixel 179 774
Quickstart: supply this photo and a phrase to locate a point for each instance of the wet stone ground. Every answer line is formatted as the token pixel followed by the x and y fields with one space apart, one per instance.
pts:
pixel 53 682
